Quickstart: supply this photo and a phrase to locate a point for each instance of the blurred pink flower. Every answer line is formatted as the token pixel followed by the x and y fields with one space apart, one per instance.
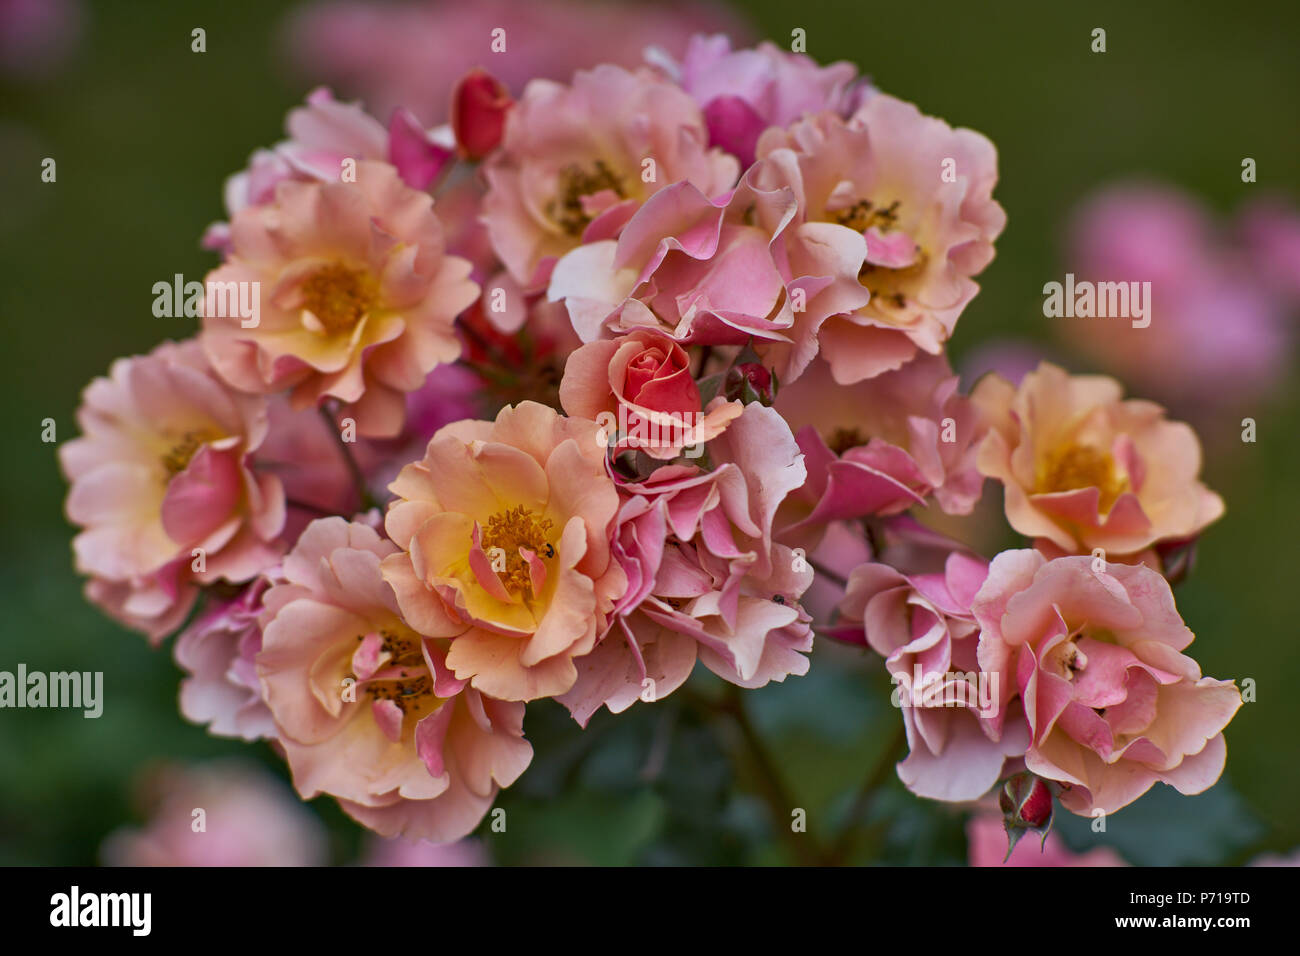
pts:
pixel 38 36
pixel 248 818
pixel 411 54
pixel 398 851
pixel 987 846
pixel 1221 309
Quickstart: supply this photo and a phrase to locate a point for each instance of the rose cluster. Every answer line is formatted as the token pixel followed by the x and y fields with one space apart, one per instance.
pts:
pixel 603 379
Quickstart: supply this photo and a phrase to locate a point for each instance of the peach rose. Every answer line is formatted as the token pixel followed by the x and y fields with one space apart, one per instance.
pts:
pixel 1113 705
pixel 163 488
pixel 365 708
pixel 644 377
pixel 357 298
pixel 1084 469
pixel 505 528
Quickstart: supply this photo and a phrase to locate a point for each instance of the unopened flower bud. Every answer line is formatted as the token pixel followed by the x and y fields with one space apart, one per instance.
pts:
pixel 479 105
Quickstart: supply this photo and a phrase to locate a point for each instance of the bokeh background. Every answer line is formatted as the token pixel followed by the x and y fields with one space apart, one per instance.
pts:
pixel 144 133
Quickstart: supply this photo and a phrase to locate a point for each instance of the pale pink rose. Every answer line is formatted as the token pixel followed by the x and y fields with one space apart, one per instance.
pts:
pixel 218 652
pixel 322 135
pixel 397 851
pixel 1112 703
pixel 986 842
pixel 743 92
pixel 358 298
pixel 705 579
pixel 247 818
pixel 704 271
pixel 381 52
pixel 572 166
pixel 163 489
pixel 1217 311
pixel 1085 469
pixel 918 194
pixel 644 381
pixel 958 734
pixel 366 708
pixel 505 529
pixel 882 445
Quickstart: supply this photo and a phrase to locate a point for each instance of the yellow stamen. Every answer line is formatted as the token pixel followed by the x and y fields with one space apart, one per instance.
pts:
pixel 510 530
pixel 339 296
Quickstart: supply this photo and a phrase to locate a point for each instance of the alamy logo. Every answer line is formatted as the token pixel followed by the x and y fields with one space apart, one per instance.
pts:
pixel 83 689
pixel 1102 300
pixel 102 909
pixel 233 300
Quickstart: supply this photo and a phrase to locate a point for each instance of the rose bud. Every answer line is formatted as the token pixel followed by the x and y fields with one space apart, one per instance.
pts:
pixel 751 382
pixel 478 113
pixel 1026 803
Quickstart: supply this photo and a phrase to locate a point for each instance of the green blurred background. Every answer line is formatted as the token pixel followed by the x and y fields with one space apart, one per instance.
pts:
pixel 144 133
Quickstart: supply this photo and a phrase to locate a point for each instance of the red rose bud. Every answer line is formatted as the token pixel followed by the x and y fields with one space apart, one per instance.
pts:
pixel 479 105
pixel 751 382
pixel 1026 803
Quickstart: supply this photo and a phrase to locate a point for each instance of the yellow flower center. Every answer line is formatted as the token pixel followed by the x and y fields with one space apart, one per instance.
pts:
pixel 575 182
pixel 510 530
pixel 339 296
pixel 1071 466
pixel 889 287
pixel 178 457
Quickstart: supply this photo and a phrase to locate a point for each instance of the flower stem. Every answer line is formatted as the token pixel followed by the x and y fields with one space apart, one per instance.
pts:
pixel 865 797
pixel 358 479
pixel 780 802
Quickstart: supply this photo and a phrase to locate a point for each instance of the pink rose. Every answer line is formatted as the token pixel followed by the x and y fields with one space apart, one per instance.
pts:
pixel 1113 705
pixel 248 818
pixel 572 167
pixel 705 579
pixel 907 197
pixel 644 376
pixel 884 444
pixel 164 490
pixel 322 135
pixel 743 92
pixel 218 653
pixel 957 732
